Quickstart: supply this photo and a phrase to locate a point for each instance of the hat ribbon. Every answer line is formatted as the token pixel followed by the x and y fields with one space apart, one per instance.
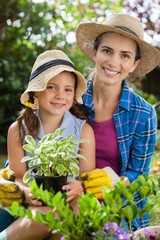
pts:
pixel 48 65
pixel 127 30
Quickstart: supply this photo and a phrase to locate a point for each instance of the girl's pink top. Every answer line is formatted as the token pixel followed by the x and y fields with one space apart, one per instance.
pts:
pixel 106 145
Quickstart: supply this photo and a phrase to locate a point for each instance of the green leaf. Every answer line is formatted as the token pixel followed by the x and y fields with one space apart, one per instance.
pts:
pixel 130 212
pixel 142 179
pixel 144 191
pixel 26 158
pixel 29 148
pixel 29 139
pixel 27 176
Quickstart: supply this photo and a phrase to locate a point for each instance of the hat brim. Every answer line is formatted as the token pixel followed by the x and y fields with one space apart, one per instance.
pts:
pixel 87 33
pixel 40 82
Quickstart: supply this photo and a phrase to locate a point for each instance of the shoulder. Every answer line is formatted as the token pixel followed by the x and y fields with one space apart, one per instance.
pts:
pixel 13 132
pixel 140 103
pixel 136 101
pixel 87 130
pixel 13 127
pixel 142 113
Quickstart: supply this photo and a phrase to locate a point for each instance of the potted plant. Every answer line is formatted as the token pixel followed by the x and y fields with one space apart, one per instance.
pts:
pixel 54 157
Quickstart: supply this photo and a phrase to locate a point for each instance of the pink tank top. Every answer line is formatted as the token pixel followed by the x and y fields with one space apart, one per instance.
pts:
pixel 106 145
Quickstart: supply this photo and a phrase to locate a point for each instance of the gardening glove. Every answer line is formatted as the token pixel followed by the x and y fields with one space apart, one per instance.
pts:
pixel 93 182
pixel 9 190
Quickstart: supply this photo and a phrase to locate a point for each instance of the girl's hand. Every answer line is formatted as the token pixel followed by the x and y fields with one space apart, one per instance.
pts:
pixel 73 189
pixel 30 198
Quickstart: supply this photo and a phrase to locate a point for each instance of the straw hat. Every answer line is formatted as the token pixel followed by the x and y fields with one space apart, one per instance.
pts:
pixel 126 25
pixel 47 65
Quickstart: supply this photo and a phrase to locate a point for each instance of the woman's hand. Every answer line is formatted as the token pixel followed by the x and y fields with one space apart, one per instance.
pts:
pixel 73 189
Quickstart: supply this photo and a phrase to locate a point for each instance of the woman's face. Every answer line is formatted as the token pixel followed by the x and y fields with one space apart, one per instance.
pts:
pixel 115 58
pixel 59 94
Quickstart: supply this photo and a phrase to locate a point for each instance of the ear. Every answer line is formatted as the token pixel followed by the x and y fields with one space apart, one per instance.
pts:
pixel 136 63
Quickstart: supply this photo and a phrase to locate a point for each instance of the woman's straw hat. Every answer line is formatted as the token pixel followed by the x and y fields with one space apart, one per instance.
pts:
pixel 126 25
pixel 47 65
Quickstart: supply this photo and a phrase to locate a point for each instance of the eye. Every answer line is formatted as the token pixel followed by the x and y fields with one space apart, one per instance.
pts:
pixel 68 89
pixel 107 51
pixel 52 87
pixel 126 56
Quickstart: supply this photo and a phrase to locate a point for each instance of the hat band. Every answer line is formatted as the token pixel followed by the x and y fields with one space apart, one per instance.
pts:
pixel 127 30
pixel 48 65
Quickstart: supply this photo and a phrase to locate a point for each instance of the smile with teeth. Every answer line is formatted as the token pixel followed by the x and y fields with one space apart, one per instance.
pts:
pixel 110 72
pixel 58 105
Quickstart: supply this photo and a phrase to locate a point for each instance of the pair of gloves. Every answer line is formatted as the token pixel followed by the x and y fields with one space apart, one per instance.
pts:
pixel 93 182
pixel 9 190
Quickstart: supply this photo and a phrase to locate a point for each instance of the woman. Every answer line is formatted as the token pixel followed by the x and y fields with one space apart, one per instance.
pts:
pixel 124 124
pixel 52 101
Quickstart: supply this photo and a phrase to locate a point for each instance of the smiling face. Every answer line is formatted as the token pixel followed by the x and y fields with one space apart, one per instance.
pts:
pixel 114 58
pixel 58 96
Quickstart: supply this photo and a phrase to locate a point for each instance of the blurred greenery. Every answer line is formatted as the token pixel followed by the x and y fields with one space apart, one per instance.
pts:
pixel 31 27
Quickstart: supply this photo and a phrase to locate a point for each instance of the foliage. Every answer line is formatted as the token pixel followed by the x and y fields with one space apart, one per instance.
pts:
pixel 157 107
pixel 148 97
pixel 54 155
pixel 28 28
pixel 92 216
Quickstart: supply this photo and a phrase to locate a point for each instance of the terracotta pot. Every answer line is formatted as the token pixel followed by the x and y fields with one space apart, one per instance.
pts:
pixel 141 232
pixel 54 182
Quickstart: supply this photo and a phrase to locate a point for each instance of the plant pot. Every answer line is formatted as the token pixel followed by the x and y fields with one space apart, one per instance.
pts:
pixel 51 183
pixel 141 233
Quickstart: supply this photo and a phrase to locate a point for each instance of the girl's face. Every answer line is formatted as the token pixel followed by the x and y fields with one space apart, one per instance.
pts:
pixel 115 58
pixel 59 94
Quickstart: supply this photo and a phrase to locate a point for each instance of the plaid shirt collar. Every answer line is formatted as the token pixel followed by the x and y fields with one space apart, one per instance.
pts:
pixel 125 101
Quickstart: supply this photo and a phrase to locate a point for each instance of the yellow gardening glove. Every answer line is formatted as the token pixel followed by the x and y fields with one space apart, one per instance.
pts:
pixel 94 181
pixel 9 190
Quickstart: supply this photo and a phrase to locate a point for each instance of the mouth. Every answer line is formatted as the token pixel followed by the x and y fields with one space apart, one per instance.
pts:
pixel 57 105
pixel 109 72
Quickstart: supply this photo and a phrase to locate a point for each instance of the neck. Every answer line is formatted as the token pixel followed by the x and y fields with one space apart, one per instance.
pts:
pixel 50 123
pixel 103 92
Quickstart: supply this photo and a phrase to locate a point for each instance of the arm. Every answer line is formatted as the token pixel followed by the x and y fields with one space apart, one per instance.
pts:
pixel 15 154
pixel 142 149
pixel 88 151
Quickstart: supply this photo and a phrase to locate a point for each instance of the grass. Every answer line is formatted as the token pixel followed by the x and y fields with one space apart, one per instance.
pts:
pixel 155 211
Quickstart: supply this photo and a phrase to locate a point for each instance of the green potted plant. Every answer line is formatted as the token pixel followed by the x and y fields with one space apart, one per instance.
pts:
pixel 54 158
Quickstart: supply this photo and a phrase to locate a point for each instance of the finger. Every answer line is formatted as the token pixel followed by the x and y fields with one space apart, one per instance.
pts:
pixel 66 187
pixel 36 203
pixel 70 198
pixel 31 196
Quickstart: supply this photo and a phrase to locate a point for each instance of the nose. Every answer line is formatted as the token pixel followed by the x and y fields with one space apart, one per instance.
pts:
pixel 60 94
pixel 113 60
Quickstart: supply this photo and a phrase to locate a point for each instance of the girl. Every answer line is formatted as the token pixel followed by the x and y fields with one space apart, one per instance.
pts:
pixel 52 101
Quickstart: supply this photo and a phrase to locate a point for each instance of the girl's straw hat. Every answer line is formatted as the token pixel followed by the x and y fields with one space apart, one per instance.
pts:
pixel 47 65
pixel 126 25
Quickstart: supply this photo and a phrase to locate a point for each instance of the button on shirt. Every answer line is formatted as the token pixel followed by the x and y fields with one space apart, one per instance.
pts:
pixel 136 126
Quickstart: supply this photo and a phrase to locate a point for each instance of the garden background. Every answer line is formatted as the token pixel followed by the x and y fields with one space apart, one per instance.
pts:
pixel 28 28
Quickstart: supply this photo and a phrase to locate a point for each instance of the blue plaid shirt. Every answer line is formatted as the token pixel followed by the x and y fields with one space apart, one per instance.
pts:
pixel 136 126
